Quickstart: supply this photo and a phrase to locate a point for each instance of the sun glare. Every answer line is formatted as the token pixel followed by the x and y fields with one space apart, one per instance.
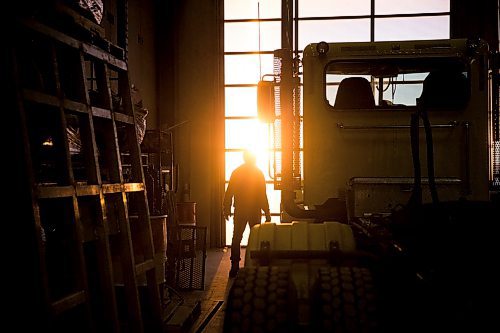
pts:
pixel 248 134
pixel 255 136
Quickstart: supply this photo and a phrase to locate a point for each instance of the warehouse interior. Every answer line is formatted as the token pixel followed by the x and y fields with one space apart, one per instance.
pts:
pixel 166 59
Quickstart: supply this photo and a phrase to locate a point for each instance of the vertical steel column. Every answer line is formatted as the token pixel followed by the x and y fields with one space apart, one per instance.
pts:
pixel 286 97
pixel 286 24
pixel 122 26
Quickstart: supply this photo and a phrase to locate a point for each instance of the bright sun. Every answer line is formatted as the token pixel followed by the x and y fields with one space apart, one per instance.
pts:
pixel 253 135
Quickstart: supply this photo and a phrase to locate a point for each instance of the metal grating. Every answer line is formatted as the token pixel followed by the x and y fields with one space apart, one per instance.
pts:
pixel 296 130
pixel 495 181
pixel 496 107
pixel 296 166
pixel 277 124
pixel 186 256
pixel 496 166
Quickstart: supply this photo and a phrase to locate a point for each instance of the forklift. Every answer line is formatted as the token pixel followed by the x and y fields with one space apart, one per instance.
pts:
pixel 391 224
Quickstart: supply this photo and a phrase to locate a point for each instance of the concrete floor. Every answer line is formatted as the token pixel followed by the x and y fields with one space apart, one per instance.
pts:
pixel 213 297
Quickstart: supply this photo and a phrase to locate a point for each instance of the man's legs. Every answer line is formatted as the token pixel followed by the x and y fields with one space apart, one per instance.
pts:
pixel 240 223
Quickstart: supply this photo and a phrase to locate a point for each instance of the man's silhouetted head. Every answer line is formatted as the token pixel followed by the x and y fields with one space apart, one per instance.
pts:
pixel 249 157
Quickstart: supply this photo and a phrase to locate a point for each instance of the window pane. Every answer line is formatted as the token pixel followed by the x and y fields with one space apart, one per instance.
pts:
pixel 315 8
pixel 413 77
pixel 411 6
pixel 410 28
pixel 276 219
pixel 403 94
pixel 336 78
pixel 333 31
pixel 331 94
pixel 244 36
pixel 331 90
pixel 274 198
pixel 244 69
pixel 397 92
pixel 247 9
pixel 247 134
pixel 235 159
pixel 241 101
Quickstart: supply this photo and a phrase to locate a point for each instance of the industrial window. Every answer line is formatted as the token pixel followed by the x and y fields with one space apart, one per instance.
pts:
pixel 252 30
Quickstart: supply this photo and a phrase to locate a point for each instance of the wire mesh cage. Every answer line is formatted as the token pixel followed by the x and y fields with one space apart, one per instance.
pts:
pixel 186 257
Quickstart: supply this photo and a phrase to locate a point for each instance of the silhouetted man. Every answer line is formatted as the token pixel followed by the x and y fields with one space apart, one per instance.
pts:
pixel 248 187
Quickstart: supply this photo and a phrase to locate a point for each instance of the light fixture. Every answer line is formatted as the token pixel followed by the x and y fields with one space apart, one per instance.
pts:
pixel 322 48
pixel 48 142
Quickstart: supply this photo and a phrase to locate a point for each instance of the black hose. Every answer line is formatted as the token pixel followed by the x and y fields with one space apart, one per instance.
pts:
pixel 430 155
pixel 416 195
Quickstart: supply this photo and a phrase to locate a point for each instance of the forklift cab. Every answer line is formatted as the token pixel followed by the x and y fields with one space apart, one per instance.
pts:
pixel 358 100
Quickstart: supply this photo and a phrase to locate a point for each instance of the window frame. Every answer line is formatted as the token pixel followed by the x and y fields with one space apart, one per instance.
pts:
pixel 372 17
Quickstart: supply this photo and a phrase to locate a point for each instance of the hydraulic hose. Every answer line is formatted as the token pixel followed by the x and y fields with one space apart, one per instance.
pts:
pixel 416 195
pixel 430 155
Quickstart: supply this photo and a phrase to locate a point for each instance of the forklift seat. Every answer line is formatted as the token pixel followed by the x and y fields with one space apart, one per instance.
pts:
pixel 445 88
pixel 354 93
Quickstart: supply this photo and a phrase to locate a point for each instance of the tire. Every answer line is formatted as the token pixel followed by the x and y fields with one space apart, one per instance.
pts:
pixel 261 299
pixel 343 301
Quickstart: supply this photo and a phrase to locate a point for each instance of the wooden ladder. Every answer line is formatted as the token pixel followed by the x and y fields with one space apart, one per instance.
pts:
pixel 91 219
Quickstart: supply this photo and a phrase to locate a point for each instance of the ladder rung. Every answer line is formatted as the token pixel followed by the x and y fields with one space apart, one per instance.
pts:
pixel 68 302
pixel 74 106
pixel 102 55
pixel 111 188
pixel 79 19
pixel 87 48
pixel 101 113
pixel 144 266
pixel 85 190
pixel 47 192
pixel 123 118
pixel 45 30
pixel 43 98
pixel 39 97
pixel 134 187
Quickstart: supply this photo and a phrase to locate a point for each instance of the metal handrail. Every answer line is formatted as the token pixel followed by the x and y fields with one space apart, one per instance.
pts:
pixel 451 124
